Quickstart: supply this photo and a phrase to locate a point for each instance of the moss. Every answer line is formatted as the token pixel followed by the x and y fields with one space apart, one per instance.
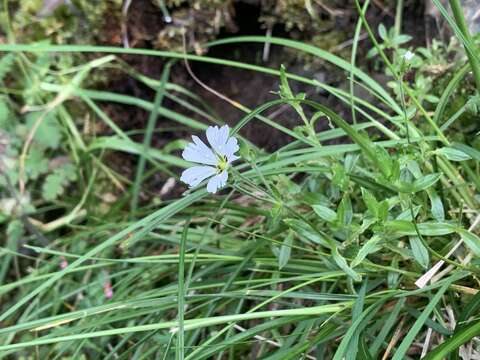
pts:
pixel 81 21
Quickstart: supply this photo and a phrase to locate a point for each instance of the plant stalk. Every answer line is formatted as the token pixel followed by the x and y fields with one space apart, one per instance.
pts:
pixel 462 25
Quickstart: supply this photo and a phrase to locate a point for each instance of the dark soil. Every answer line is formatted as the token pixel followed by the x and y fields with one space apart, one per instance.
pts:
pixel 249 88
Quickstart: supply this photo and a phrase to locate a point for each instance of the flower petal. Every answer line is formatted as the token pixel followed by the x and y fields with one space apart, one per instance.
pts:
pixel 217 182
pixel 408 55
pixel 196 174
pixel 218 137
pixel 199 152
pixel 231 147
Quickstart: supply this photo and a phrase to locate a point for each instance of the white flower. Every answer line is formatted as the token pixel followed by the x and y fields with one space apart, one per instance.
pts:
pixel 408 55
pixel 215 161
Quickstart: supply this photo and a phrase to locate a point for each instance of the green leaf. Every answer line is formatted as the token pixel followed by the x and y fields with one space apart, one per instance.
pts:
pixel 306 232
pixel 340 177
pixel 55 183
pixel 470 151
pixel 403 227
pixel 285 251
pixel 382 31
pixel 383 211
pixel 6 65
pixel 342 264
pixel 402 39
pixel 409 338
pixel 52 187
pixel 420 252
pixel 286 93
pixel 471 240
pixel 469 310
pixel 363 350
pixel 437 209
pixel 48 133
pixel 325 213
pixel 371 246
pixel 370 201
pixel 344 211
pixel 384 161
pixel 424 182
pixel 453 154
pixel 36 164
pixel 357 310
pixel 459 338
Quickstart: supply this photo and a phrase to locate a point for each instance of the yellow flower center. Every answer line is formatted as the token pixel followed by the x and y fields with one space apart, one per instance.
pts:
pixel 222 163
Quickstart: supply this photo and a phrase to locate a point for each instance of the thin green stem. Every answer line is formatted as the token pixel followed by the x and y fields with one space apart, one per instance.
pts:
pixel 152 120
pixel 462 25
pixel 398 18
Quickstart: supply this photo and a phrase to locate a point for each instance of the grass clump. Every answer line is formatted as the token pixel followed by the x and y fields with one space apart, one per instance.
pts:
pixel 339 245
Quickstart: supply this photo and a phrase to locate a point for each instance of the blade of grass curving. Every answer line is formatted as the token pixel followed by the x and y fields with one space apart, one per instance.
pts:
pixel 459 338
pixel 141 227
pixel 460 28
pixel 152 120
pixel 36 48
pixel 387 327
pixel 363 350
pixel 397 77
pixel 412 333
pixel 353 56
pixel 189 324
pixel 325 55
pixel 245 335
pixel 180 349
pixel 128 146
pixel 356 327
pixel 129 100
pixel 449 90
pixel 327 332
pixel 471 309
pixel 357 310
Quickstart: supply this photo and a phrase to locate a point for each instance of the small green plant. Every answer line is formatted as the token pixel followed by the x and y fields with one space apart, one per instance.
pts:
pixel 356 241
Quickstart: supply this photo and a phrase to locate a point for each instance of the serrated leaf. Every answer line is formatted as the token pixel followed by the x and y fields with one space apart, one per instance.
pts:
pixel 68 171
pixel 56 182
pixel 325 213
pixel 36 164
pixel 48 133
pixel 52 187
